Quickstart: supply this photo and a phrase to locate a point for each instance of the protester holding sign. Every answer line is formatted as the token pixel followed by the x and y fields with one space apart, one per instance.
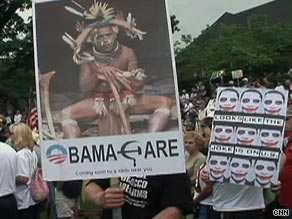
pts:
pixel 204 199
pixel 240 171
pixel 157 197
pixel 238 201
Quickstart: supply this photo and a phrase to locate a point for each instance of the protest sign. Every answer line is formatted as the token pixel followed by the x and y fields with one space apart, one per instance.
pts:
pixel 247 136
pixel 107 90
pixel 236 74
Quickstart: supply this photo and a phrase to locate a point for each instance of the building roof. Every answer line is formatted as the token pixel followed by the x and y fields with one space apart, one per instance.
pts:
pixel 278 11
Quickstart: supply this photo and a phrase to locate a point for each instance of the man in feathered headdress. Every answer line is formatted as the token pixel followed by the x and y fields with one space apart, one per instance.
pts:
pixel 109 74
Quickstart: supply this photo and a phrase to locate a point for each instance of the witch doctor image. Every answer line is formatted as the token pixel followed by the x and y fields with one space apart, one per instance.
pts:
pixel 115 80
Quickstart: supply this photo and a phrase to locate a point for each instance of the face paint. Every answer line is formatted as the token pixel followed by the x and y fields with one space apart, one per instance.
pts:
pixel 264 171
pixel 217 166
pixel 246 136
pixel 239 168
pixel 250 102
pixel 228 100
pixel 273 103
pixel 223 134
pixel 270 138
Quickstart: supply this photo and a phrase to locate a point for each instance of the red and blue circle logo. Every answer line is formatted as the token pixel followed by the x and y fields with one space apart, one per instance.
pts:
pixel 57 154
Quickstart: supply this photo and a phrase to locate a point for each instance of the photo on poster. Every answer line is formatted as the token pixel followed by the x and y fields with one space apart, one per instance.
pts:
pixel 228 100
pixel 274 103
pixel 109 68
pixel 251 101
pixel 219 167
pixel 223 134
pixel 241 171
pixel 246 135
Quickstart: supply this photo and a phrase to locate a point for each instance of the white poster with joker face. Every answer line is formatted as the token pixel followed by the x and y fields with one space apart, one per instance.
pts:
pixel 247 135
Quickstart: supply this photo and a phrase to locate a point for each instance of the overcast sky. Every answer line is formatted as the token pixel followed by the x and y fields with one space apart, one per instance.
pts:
pixel 194 15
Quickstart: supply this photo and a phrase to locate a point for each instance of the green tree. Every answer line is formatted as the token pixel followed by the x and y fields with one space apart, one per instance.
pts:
pixel 16 54
pixel 258 49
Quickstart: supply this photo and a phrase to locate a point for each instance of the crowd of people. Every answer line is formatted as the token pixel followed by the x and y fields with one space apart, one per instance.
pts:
pixel 165 196
pixel 191 194
pixel 9 116
pixel 225 200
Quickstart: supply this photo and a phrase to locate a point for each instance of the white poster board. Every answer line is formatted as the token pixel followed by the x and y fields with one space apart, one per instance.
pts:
pixel 237 74
pixel 247 136
pixel 107 90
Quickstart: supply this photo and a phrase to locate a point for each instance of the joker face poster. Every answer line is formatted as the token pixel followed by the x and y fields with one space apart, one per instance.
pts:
pixel 247 135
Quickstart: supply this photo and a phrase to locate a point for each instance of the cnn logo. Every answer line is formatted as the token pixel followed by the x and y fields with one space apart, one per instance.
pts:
pixel 281 212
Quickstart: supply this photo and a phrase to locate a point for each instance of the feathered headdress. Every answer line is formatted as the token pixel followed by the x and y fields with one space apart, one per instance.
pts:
pixel 98 15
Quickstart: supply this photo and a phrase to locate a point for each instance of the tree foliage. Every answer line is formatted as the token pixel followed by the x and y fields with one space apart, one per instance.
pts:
pixel 16 54
pixel 258 49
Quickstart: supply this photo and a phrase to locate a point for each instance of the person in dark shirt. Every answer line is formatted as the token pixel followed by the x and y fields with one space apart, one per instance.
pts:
pixel 3 136
pixel 161 196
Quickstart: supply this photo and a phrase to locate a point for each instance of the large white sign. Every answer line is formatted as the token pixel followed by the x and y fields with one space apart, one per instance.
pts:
pixel 107 89
pixel 247 136
pixel 87 158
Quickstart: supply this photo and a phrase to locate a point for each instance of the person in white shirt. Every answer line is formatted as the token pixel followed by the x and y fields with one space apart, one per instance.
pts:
pixel 185 96
pixel 204 196
pixel 17 117
pixel 26 166
pixel 8 205
pixel 234 201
